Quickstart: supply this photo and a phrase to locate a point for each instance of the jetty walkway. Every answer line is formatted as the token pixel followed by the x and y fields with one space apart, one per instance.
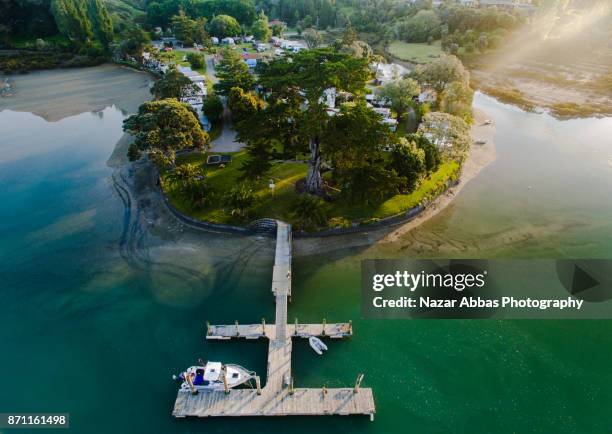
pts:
pixel 278 397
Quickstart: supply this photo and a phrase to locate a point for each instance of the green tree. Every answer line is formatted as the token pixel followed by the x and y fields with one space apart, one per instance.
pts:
pixel 312 37
pixel 441 72
pixel 420 27
pixel 163 160
pixel 101 22
pixel 232 71
pixel 310 211
pixel 400 94
pixel 278 29
pixel 196 60
pixel 261 28
pixel 354 141
pixel 187 30
pixel 457 100
pixel 167 125
pixel 213 108
pixel 302 78
pixel 133 41
pixel 243 104
pixel 259 161
pixel 72 20
pixel 190 180
pixel 432 155
pixel 173 84
pixel 408 161
pixel 222 26
pixel 239 199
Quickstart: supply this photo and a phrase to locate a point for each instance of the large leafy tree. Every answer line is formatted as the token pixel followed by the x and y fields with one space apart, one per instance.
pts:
pixel 441 72
pixel 167 125
pixel 187 30
pixel 72 19
pixel 133 41
pixel 232 72
pixel 224 25
pixel 101 22
pixel 173 85
pixel 190 180
pixel 354 144
pixel 303 78
pixel 408 161
pixel 261 28
pixel 243 104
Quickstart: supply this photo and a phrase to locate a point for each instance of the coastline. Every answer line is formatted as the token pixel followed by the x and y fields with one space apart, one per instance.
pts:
pixel 480 156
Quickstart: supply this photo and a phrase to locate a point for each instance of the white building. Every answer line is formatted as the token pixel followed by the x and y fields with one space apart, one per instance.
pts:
pixel 389 72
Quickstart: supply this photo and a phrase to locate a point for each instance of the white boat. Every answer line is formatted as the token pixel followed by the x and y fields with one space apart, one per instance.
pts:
pixel 211 376
pixel 317 345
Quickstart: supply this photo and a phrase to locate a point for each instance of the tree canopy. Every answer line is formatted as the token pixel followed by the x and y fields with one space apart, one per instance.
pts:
pixel 173 85
pixel 222 26
pixel 232 71
pixel 261 28
pixel 167 125
pixel 302 79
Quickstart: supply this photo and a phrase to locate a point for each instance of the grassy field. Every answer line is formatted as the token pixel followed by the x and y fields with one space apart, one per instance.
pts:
pixel 417 53
pixel 280 205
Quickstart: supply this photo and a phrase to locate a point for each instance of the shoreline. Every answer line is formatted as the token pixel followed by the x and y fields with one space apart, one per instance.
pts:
pixel 480 156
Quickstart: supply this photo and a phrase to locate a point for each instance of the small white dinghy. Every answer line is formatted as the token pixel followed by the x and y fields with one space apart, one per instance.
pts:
pixel 317 345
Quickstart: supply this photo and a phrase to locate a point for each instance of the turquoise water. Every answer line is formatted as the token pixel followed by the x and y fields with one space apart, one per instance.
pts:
pixel 103 299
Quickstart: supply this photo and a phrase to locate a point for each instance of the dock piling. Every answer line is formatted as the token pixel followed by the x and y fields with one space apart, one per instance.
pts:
pixel 258 384
pixel 263 326
pixel 358 383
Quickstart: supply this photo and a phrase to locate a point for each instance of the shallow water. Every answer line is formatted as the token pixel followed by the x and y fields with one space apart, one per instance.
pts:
pixel 103 299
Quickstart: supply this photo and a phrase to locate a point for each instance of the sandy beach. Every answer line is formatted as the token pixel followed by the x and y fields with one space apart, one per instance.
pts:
pixel 480 157
pixel 60 93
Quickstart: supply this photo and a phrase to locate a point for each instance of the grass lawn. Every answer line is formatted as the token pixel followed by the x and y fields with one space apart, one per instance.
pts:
pixel 417 53
pixel 281 204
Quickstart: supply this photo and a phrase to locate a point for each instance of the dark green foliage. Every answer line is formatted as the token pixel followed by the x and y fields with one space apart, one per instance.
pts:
pixel 72 19
pixel 196 60
pixel 239 199
pixel 232 72
pixel 224 25
pixel 28 61
pixel 133 40
pixel 191 182
pixel 101 22
pixel 408 161
pixel 213 108
pixel 189 31
pixel 166 125
pixel 173 85
pixel 432 155
pixel 310 211
pixel 260 159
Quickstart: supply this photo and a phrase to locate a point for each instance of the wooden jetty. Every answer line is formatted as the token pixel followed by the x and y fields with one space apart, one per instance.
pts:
pixel 278 397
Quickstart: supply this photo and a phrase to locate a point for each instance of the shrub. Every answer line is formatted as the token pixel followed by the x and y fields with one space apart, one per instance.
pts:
pixel 196 60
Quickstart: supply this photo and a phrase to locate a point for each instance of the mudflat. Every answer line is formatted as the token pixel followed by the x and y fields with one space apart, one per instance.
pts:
pixel 60 93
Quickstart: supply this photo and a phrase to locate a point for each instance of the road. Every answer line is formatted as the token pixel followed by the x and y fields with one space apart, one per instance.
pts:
pixel 226 142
